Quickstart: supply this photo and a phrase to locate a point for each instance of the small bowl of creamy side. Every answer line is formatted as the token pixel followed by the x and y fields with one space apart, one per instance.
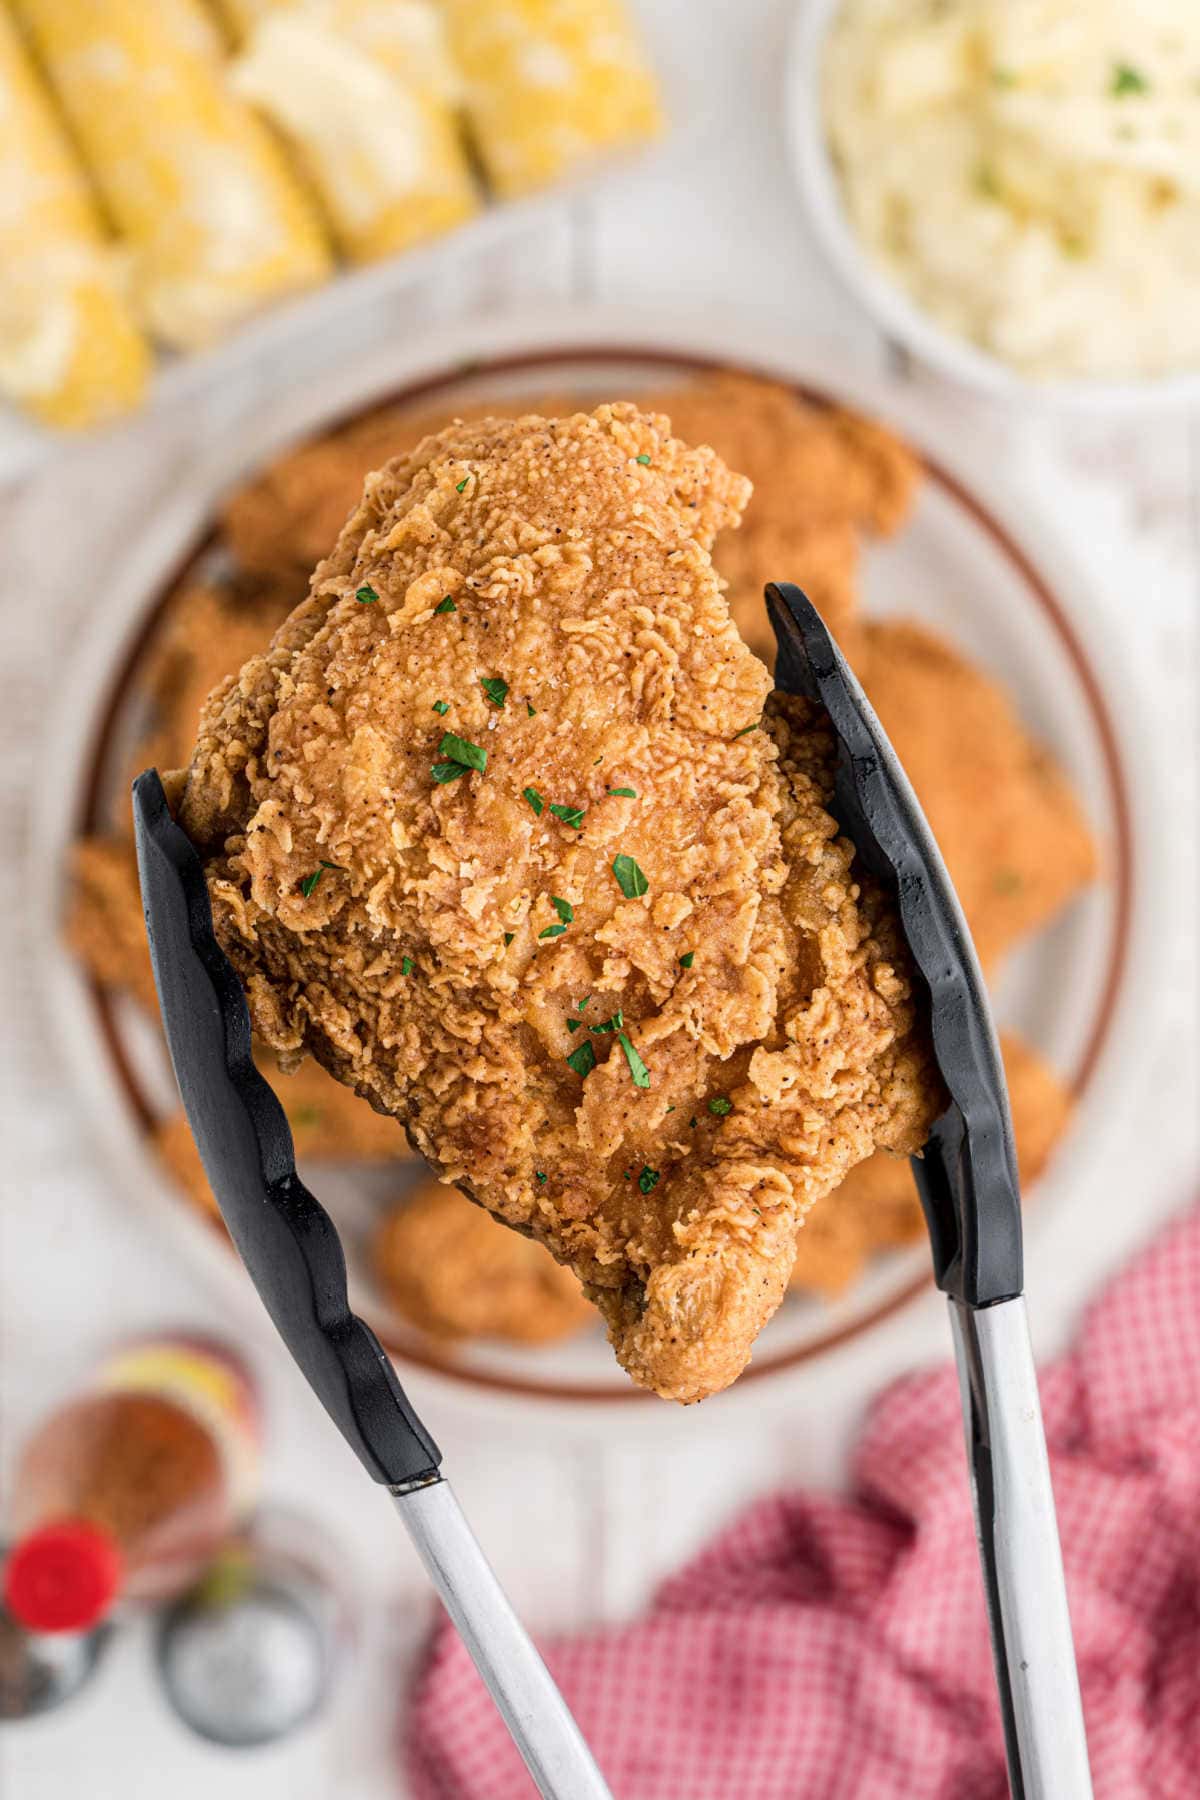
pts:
pixel 894 310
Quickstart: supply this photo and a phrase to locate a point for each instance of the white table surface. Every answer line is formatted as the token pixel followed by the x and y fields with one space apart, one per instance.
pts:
pixel 581 1515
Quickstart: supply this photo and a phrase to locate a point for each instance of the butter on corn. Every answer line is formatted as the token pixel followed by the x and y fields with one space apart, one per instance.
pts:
pixel 216 223
pixel 69 350
pixel 550 84
pixel 365 92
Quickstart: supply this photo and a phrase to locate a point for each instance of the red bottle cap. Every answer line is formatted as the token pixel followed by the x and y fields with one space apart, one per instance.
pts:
pixel 63 1577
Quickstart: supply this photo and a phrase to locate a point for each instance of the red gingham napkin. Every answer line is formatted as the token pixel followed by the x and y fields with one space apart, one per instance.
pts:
pixel 829 1649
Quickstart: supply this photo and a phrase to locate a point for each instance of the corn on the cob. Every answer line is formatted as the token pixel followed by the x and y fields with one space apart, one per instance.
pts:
pixel 69 350
pixel 549 84
pixel 216 223
pixel 365 93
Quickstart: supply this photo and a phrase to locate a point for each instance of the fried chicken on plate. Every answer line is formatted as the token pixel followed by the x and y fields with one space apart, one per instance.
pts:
pixel 489 831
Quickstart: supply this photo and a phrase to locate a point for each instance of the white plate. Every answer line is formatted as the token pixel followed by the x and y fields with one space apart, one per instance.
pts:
pixel 994 578
pixel 892 310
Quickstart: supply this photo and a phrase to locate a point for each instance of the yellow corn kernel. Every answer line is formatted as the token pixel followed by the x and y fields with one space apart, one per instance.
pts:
pixel 549 84
pixel 69 350
pixel 216 223
pixel 365 92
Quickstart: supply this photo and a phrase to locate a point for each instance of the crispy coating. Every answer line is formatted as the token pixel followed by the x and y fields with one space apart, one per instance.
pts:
pixel 821 477
pixel 876 1208
pixel 575 556
pixel 455 1272
pixel 1012 832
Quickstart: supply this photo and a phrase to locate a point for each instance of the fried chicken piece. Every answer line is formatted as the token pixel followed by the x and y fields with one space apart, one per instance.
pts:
pixel 105 926
pixel 329 1124
pixel 821 477
pixel 876 1208
pixel 429 927
pixel 1008 824
pixel 454 1271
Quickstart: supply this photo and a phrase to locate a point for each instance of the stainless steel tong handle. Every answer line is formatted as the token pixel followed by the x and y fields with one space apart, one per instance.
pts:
pixel 1020 1553
pixel 518 1680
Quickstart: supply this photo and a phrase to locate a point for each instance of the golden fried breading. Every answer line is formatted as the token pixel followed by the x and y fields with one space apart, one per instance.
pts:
pixel 1011 830
pixel 454 1271
pixel 329 1123
pixel 105 926
pixel 821 478
pixel 648 1027
pixel 876 1208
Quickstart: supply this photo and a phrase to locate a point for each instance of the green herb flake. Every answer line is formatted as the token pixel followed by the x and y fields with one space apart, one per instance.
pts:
pixel 460 486
pixel 585 1003
pixel 508 938
pixel 552 931
pixel 613 1024
pixel 366 596
pixel 448 771
pixel 531 709
pixel 644 459
pixel 630 879
pixel 692 1123
pixel 308 885
pixel 570 815
pixel 720 1106
pixel 637 1068
pixel 495 689
pixel 574 1024
pixel 746 730
pixel 441 707
pixel 1127 80
pixel 461 750
pixel 563 908
pixel 540 1174
pixel 583 1060
pixel 687 959
pixel 446 605
pixel 535 800
pixel 407 965
pixel 649 1179
pixel 624 793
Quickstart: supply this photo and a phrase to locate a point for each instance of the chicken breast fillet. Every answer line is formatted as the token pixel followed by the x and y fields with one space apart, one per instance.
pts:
pixel 489 831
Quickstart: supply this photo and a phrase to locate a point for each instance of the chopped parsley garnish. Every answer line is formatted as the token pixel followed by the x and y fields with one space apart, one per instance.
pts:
pixel 583 1060
pixel 648 1179
pixel 563 908
pixel 366 596
pixel 461 750
pixel 630 879
pixel 1128 80
pixel 613 1024
pixel 585 1003
pixel 644 459
pixel 552 931
pixel 508 938
pixel 574 1024
pixel 687 959
pixel 310 881
pixel 460 485
pixel 746 729
pixel 540 1174
pixel 448 771
pixel 692 1123
pixel 495 689
pixel 407 965
pixel 446 605
pixel 531 709
pixel 570 815
pixel 442 707
pixel 637 1068
pixel 720 1106
pixel 535 800
pixel 624 793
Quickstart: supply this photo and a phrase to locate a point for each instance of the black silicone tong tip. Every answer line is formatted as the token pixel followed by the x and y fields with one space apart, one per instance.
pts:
pixel 285 1238
pixel 967 1177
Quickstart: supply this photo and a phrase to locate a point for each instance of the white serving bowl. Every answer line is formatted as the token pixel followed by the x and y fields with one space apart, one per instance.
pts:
pixel 889 306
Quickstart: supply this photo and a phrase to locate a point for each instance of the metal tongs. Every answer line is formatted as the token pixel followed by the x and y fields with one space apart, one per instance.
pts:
pixel 967 1180
pixel 968 1184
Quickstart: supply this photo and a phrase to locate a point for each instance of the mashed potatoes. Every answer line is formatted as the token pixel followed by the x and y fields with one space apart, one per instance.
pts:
pixel 1029 171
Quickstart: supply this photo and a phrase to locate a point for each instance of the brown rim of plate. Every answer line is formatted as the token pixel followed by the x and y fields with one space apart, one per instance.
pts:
pixel 1121 874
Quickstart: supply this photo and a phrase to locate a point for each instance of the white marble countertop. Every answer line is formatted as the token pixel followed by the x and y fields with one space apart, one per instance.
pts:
pixel 580 1515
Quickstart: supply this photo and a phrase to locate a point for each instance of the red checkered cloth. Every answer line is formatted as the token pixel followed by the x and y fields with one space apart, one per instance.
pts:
pixel 837 1649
